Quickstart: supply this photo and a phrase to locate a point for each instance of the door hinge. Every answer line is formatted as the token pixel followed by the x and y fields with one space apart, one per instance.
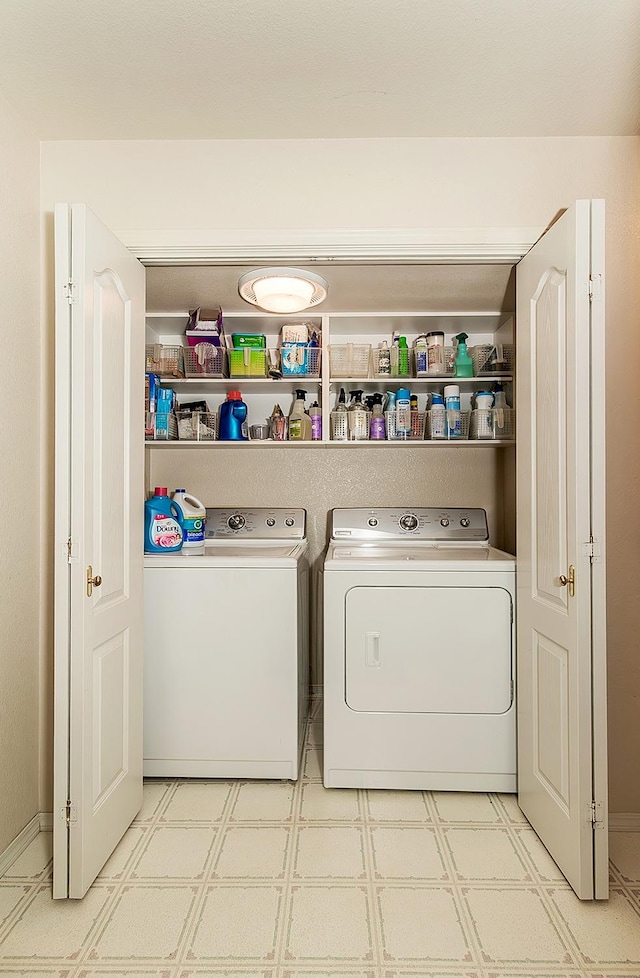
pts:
pixel 71 551
pixel 70 813
pixel 70 291
pixel 594 815
pixel 592 550
pixel 595 287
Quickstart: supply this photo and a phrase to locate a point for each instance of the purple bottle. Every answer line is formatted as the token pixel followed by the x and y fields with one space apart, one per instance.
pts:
pixel 377 425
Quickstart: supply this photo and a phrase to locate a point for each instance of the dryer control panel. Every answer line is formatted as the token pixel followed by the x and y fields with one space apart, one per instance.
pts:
pixel 256 524
pixel 448 526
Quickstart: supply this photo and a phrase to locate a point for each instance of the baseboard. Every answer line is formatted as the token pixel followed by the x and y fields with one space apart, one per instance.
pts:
pixel 19 844
pixel 624 821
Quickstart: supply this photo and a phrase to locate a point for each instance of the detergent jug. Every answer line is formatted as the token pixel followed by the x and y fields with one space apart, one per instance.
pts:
pixel 194 519
pixel 162 524
pixel 233 418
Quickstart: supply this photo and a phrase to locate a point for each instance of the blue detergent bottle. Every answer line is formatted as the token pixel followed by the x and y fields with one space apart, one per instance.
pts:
pixel 233 418
pixel 163 524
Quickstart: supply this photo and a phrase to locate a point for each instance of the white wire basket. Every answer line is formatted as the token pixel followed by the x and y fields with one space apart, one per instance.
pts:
pixel 166 361
pixel 204 360
pixel 160 427
pixel 454 428
pixel 197 425
pixel 349 359
pixel 400 362
pixel 248 362
pixel 300 360
pixel 416 432
pixel 489 360
pixel 426 364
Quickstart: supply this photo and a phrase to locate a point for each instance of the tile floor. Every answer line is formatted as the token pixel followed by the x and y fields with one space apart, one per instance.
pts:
pixel 274 880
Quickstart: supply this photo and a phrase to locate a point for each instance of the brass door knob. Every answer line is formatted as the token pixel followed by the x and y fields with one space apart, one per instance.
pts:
pixel 570 580
pixel 92 581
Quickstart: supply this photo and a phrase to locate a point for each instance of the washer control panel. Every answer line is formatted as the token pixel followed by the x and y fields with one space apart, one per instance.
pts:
pixel 418 523
pixel 256 524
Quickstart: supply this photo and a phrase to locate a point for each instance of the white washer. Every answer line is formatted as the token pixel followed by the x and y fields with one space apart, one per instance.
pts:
pixel 226 650
pixel 419 645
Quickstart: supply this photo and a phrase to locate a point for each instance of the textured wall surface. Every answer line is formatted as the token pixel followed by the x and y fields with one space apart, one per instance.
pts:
pixel 20 454
pixel 422 183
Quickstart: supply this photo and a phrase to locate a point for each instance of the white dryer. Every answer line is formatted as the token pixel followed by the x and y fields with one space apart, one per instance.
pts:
pixel 226 671
pixel 419 652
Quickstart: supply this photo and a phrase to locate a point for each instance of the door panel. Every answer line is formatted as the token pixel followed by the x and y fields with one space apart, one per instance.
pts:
pixel 100 473
pixel 428 649
pixel 554 521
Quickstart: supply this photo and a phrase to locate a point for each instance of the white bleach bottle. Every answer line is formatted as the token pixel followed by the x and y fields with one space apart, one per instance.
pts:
pixel 194 524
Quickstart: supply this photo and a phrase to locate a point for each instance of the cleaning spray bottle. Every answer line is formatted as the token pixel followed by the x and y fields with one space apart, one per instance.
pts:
pixel 315 414
pixel 463 363
pixel 299 420
pixel 377 425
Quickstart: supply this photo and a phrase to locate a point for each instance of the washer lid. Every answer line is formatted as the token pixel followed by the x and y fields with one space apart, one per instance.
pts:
pixel 233 554
pixel 411 557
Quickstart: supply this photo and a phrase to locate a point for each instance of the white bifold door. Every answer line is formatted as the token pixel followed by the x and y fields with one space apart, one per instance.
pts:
pixel 561 652
pixel 100 302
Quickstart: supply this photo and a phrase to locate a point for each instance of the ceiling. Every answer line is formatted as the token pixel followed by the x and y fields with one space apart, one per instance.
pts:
pixel 228 69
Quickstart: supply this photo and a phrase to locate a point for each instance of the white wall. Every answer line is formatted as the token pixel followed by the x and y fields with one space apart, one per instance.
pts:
pixel 415 183
pixel 20 454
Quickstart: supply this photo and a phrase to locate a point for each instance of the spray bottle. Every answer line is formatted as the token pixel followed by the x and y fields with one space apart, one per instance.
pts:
pixel 299 420
pixel 315 413
pixel 377 426
pixel 463 363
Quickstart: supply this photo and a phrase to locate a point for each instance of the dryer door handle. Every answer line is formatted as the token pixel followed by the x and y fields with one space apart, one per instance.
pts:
pixel 372 650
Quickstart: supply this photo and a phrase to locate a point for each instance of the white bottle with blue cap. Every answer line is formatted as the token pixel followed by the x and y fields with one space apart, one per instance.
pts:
pixel 403 411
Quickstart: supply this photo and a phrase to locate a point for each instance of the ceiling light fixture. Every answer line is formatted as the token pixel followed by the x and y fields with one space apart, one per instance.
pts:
pixel 282 289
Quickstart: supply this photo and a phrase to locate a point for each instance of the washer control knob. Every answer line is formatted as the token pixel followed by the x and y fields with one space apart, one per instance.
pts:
pixel 271 521
pixel 236 522
pixel 465 521
pixel 444 522
pixel 373 521
pixel 289 521
pixel 408 521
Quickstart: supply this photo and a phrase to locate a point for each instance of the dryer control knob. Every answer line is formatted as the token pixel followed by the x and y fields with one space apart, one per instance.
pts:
pixel 289 522
pixel 408 522
pixel 373 521
pixel 444 522
pixel 465 521
pixel 271 521
pixel 236 522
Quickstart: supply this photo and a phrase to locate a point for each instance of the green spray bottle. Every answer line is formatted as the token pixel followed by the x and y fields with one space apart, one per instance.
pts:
pixel 463 363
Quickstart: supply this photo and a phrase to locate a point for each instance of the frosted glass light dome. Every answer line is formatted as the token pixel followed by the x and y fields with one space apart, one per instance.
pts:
pixel 282 289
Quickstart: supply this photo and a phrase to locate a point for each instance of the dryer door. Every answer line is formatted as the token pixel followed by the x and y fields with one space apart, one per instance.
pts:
pixel 429 650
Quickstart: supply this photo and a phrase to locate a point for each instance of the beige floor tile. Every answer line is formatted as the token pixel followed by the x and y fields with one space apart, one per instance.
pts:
pixel 10 897
pixel 422 925
pixel 334 852
pixel 508 805
pixel 264 802
pixel 329 923
pixel 461 971
pixel 34 860
pixel 315 733
pixel 484 854
pixel 605 933
pixel 406 853
pixel 546 869
pixel 328 972
pixel 514 926
pixel 145 922
pixel 47 972
pixel 396 806
pixel 461 806
pixel 175 853
pixel 329 804
pixel 237 923
pixel 198 801
pixel 54 928
pixel 312 764
pixel 624 851
pixel 221 972
pixel 127 973
pixel 253 853
pixel 154 794
pixel 118 863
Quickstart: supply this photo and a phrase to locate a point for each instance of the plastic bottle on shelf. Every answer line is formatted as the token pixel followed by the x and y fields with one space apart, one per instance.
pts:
pixel 403 357
pixel 422 354
pixel 162 524
pixel 194 520
pixel 463 362
pixel 377 425
pixel 233 418
pixel 403 411
pixel 315 413
pixel 299 420
pixel 499 407
pixel 452 408
pixel 438 417
pixel 384 359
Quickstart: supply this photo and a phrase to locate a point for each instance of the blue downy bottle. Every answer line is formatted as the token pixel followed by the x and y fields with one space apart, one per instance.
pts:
pixel 233 418
pixel 162 524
